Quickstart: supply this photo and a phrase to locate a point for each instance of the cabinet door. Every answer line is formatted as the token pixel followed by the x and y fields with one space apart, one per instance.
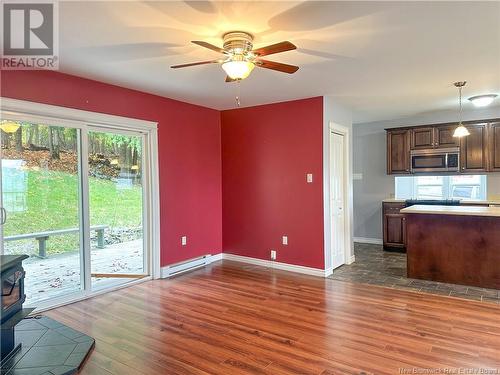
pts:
pixel 494 146
pixel 395 230
pixel 443 136
pixel 474 156
pixel 422 138
pixel 398 152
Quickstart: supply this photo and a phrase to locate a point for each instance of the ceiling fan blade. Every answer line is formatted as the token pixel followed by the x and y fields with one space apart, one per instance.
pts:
pixel 274 48
pixel 208 45
pixel 196 63
pixel 229 79
pixel 280 67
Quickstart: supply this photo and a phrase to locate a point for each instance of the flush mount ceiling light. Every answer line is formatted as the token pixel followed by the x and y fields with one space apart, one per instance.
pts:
pixel 482 100
pixel 461 130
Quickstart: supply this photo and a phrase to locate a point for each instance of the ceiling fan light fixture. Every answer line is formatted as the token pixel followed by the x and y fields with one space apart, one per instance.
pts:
pixel 238 69
pixel 482 100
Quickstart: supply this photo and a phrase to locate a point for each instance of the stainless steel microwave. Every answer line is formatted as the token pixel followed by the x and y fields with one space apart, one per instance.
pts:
pixel 435 160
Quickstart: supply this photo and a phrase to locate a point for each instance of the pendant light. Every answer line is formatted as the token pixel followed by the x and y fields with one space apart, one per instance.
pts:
pixel 461 130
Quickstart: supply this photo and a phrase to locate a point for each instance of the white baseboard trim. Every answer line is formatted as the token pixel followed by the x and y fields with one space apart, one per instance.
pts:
pixel 202 261
pixel 188 265
pixel 374 241
pixel 351 260
pixel 276 265
pixel 214 258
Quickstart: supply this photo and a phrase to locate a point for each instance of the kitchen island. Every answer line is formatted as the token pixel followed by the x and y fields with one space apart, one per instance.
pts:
pixel 454 244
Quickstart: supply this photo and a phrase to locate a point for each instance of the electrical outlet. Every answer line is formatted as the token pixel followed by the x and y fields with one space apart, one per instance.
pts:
pixel 285 240
pixel 309 178
pixel 273 254
pixel 184 240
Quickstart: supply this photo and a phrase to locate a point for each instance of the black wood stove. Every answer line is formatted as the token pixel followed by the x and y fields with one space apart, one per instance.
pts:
pixel 34 344
pixel 11 302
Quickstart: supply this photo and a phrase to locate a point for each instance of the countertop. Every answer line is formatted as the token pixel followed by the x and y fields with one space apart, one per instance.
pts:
pixel 493 202
pixel 453 210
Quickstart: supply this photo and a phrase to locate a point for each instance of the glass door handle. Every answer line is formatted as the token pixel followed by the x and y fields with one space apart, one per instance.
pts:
pixel 3 216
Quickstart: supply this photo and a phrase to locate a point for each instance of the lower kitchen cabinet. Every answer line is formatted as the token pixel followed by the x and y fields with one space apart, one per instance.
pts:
pixel 394 224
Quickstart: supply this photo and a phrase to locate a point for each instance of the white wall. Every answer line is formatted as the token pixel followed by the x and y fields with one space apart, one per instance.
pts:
pixel 369 163
pixel 340 115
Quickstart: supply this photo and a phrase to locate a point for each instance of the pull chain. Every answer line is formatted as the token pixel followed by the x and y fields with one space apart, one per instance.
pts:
pixel 460 100
pixel 238 103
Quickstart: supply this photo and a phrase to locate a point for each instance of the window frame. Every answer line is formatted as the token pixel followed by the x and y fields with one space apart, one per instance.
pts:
pixel 447 186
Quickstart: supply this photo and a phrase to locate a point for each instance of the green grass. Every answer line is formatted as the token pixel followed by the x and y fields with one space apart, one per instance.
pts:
pixel 51 203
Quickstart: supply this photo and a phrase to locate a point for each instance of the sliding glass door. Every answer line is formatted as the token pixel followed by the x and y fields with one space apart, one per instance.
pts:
pixel 116 207
pixel 73 199
pixel 40 200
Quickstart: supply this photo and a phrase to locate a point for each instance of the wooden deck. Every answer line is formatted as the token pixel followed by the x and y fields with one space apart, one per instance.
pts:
pixel 58 275
pixel 231 318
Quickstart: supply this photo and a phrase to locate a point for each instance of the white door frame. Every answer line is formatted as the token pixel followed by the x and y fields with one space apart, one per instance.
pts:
pixel 85 120
pixel 348 246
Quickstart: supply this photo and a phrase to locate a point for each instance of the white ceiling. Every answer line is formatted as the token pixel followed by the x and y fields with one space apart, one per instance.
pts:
pixel 384 60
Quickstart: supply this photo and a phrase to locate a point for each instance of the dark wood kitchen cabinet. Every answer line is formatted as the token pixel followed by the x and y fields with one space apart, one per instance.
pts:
pixel 473 149
pixel 398 152
pixel 494 146
pixel 479 151
pixel 438 136
pixel 443 136
pixel 422 138
pixel 394 226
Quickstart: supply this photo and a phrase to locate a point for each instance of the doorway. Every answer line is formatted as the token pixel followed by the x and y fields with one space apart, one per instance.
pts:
pixel 339 204
pixel 76 196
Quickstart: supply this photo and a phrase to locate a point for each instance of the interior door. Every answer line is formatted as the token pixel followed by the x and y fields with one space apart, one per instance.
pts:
pixel 337 198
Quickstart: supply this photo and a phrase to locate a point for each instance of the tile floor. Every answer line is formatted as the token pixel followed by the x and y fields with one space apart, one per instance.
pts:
pixel 378 267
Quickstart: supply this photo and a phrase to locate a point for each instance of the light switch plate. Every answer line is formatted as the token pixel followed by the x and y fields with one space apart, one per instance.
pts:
pixel 309 178
pixel 184 240
pixel 285 240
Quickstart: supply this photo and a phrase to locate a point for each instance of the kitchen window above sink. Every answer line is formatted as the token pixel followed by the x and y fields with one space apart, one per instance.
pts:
pixel 465 187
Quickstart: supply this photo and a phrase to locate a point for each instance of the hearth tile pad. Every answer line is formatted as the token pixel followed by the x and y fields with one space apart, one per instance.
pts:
pixel 48 348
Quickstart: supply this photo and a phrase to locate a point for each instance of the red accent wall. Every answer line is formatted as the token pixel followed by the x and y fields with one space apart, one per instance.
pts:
pixel 266 152
pixel 189 151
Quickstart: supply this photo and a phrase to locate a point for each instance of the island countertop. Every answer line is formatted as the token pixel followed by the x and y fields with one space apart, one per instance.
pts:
pixel 452 210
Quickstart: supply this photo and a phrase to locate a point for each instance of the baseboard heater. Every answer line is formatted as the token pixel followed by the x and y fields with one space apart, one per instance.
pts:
pixel 185 266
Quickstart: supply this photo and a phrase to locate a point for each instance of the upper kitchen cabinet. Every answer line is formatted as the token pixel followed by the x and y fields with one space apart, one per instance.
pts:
pixel 479 151
pixel 473 149
pixel 494 146
pixel 433 137
pixel 398 152
pixel 422 138
pixel 443 136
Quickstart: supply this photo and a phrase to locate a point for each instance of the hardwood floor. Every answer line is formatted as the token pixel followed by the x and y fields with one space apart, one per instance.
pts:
pixel 232 318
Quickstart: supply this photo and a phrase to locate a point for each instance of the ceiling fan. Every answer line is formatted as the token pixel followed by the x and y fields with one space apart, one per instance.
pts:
pixel 239 57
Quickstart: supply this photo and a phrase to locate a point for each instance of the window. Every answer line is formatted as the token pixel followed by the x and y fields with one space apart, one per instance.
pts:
pixel 441 187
